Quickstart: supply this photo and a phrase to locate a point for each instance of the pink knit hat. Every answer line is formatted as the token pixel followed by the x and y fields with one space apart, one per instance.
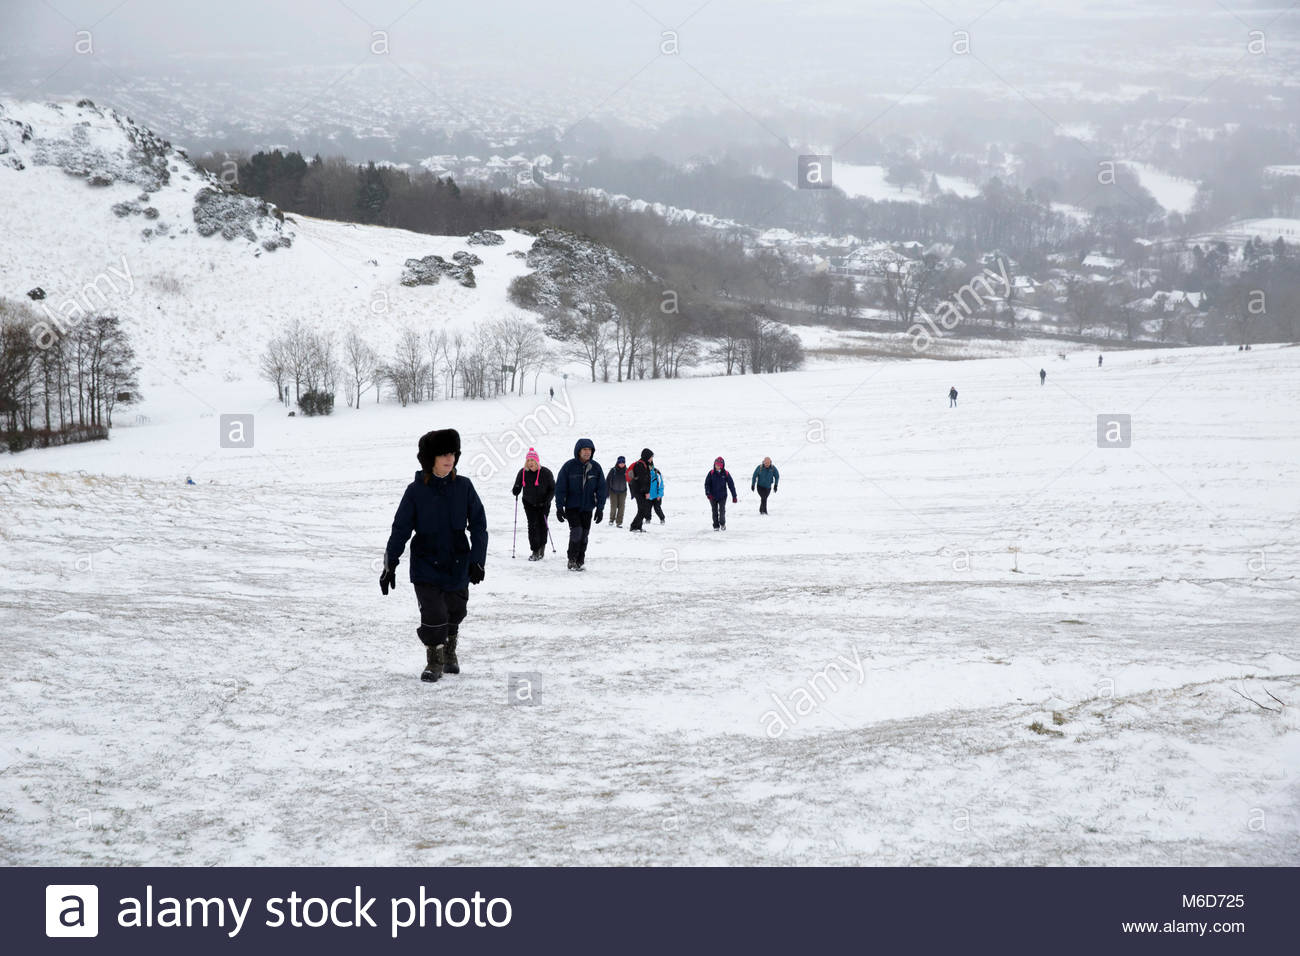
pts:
pixel 532 456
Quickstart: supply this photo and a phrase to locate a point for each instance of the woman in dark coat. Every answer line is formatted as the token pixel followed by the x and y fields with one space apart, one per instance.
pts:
pixel 537 485
pixel 438 506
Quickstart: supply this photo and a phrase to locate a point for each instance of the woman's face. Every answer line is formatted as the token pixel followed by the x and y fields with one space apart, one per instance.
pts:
pixel 531 464
pixel 443 464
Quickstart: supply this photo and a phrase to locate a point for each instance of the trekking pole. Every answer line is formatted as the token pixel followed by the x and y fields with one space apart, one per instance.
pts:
pixel 548 534
pixel 516 537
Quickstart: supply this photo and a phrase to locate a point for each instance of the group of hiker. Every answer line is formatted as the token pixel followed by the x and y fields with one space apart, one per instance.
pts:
pixel 439 507
pixel 582 488
pixel 1042 380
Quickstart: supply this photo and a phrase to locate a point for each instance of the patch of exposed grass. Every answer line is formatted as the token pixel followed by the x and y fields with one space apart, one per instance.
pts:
pixel 1038 728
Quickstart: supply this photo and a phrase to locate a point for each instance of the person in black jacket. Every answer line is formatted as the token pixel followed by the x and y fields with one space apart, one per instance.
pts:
pixel 616 482
pixel 580 490
pixel 952 397
pixel 438 506
pixel 638 483
pixel 538 487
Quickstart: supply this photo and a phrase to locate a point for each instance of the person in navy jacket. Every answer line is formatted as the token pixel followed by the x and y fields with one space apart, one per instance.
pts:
pixel 580 489
pixel 438 506
pixel 716 484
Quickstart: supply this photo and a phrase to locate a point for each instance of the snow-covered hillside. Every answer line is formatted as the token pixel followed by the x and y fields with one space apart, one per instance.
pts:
pixel 199 305
pixel 963 635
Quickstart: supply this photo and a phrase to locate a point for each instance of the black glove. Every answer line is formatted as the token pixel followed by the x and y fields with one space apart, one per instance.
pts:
pixel 774 489
pixel 387 580
pixel 600 516
pixel 476 574
pixel 515 492
pixel 559 516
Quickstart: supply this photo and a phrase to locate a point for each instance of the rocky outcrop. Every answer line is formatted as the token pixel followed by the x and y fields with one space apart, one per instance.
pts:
pixel 431 269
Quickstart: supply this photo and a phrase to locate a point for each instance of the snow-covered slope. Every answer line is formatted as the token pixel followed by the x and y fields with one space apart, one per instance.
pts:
pixel 203 306
pixel 963 635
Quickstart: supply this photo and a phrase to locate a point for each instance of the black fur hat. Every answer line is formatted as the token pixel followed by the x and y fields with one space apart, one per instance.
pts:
pixel 646 454
pixel 441 441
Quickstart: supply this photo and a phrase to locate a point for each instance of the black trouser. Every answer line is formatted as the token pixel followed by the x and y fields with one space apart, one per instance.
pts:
pixel 579 531
pixel 719 512
pixel 536 515
pixel 657 504
pixel 762 499
pixel 642 512
pixel 440 613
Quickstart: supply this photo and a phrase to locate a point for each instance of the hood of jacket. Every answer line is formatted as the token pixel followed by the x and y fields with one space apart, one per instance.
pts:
pixel 584 443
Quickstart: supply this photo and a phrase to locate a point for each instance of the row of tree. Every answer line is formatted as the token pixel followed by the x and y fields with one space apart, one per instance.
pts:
pixel 61 382
pixel 496 359
pixel 639 330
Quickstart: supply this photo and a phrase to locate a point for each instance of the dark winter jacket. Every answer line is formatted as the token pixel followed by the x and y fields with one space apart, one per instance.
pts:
pixel 538 487
pixel 579 485
pixel 616 480
pixel 716 483
pixel 765 478
pixel 438 513
pixel 638 478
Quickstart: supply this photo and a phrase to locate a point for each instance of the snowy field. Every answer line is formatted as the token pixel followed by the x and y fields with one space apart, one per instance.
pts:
pixel 871 675
pixel 868 182
pixel 1173 193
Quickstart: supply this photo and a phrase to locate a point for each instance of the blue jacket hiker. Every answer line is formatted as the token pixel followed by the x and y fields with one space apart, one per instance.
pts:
pixel 438 507
pixel 580 489
pixel 765 480
pixel 657 492
pixel 716 484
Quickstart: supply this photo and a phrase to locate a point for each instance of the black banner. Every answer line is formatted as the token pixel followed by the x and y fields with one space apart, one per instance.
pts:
pixel 247 910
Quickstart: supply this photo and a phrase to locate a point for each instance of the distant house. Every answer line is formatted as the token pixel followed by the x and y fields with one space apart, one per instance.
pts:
pixel 1100 263
pixel 866 260
pixel 1167 303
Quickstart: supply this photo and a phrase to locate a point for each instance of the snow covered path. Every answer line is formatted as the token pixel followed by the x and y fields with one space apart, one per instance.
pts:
pixel 209 675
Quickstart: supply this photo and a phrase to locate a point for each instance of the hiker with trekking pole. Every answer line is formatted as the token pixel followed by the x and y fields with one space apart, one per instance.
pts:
pixel 536 485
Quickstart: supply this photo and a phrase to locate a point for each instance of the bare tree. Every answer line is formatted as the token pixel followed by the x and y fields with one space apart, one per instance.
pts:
pixel 407 370
pixel 584 332
pixel 361 362
pixel 633 303
pixel 274 366
pixel 522 345
pixel 452 352
pixel 1086 302
pixel 907 283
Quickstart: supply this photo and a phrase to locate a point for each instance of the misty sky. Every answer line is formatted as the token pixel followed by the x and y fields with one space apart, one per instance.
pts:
pixel 558 62
pixel 576 35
